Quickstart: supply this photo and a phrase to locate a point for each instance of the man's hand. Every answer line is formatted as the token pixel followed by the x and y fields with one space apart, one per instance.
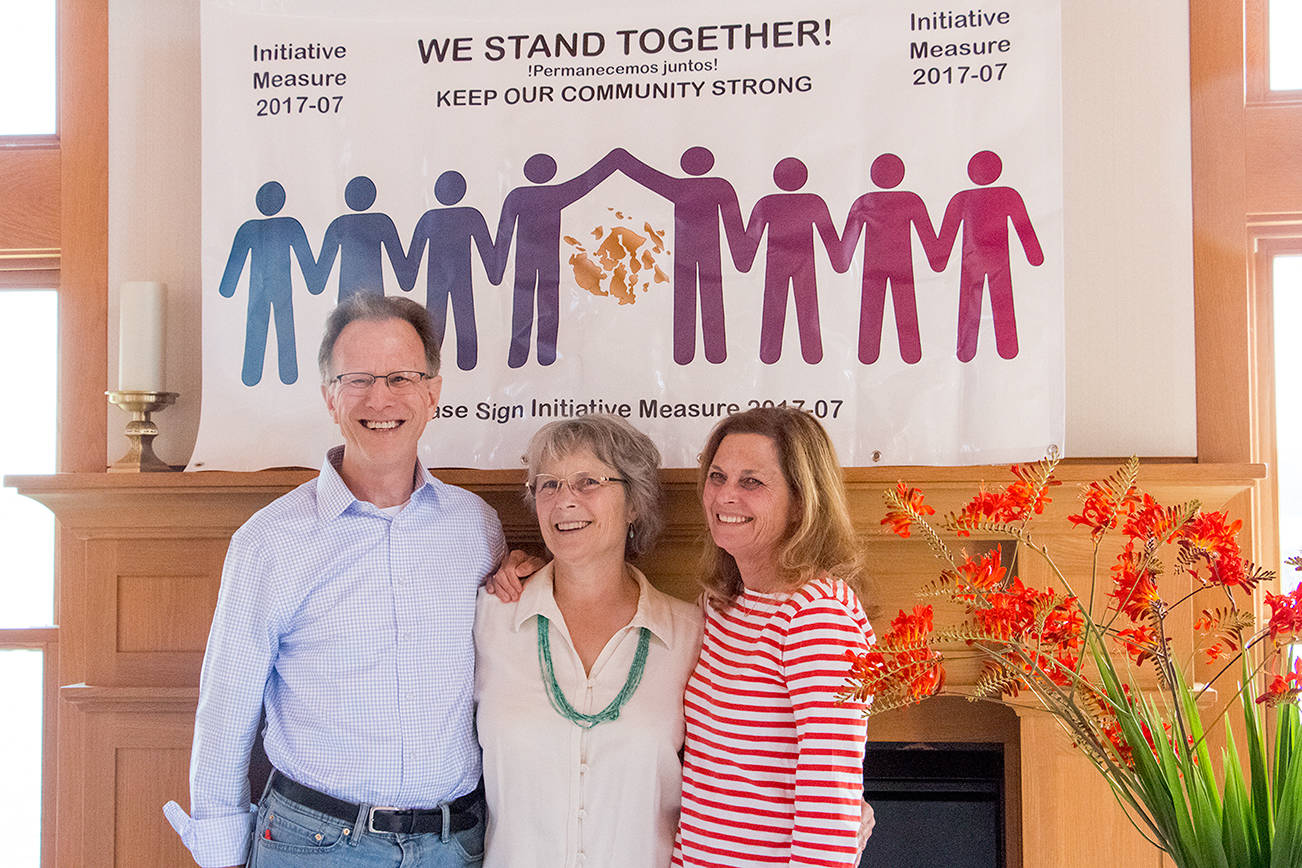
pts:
pixel 506 584
pixel 866 823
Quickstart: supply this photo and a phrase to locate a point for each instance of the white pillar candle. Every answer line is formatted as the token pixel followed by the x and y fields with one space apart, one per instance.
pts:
pixel 141 313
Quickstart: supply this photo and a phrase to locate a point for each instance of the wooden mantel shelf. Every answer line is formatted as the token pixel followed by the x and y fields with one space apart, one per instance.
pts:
pixel 1154 471
pixel 67 493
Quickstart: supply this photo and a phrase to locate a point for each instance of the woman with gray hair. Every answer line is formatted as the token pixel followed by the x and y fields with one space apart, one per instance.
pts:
pixel 580 681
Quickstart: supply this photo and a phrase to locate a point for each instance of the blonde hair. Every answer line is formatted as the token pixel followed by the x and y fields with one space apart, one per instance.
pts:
pixel 821 540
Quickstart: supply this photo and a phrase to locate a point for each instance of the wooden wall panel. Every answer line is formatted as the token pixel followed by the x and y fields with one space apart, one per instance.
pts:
pixel 1222 320
pixel 134 755
pixel 29 219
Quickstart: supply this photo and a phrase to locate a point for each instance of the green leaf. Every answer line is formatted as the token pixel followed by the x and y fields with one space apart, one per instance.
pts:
pixel 1262 805
pixel 1238 832
pixel 1287 848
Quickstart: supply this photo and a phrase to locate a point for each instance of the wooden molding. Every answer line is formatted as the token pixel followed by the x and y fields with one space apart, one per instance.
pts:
pixel 83 219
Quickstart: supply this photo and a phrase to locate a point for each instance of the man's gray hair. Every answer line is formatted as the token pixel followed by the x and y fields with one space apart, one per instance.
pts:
pixel 617 443
pixel 370 306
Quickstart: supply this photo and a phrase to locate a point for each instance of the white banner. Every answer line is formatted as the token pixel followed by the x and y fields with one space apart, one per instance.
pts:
pixel 669 213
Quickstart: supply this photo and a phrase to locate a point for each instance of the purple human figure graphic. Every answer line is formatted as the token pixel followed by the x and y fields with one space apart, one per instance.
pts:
pixel 791 219
pixel 448 233
pixel 886 219
pixel 699 204
pixel 533 215
pixel 266 245
pixel 359 240
pixel 984 212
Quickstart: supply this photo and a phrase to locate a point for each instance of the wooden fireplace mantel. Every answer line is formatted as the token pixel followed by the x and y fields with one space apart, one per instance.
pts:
pixel 139 565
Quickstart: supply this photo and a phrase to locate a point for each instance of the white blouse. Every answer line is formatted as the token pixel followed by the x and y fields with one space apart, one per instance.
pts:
pixel 560 796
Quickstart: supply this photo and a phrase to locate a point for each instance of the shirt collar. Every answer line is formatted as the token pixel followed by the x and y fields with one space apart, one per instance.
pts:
pixel 653 610
pixel 333 496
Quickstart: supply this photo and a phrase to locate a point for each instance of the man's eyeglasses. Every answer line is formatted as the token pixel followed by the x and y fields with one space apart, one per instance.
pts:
pixel 399 381
pixel 582 483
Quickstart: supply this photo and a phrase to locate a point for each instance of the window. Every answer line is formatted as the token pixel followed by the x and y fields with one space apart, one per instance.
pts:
pixel 27 55
pixel 28 349
pixel 29 256
pixel 1286 297
pixel 1285 22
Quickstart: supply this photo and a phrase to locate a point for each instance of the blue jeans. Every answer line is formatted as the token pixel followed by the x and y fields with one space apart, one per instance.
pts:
pixel 288 835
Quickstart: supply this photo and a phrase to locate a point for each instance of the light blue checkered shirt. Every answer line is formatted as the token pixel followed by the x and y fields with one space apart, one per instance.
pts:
pixel 354 630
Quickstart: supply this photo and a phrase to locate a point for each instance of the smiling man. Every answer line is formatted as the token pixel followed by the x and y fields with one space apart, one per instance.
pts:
pixel 345 614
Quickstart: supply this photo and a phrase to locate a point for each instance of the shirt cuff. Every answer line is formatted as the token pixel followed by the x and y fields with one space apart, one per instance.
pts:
pixel 216 842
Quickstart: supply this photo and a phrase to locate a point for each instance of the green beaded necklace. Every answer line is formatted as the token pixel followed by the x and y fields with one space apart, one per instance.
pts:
pixel 557 696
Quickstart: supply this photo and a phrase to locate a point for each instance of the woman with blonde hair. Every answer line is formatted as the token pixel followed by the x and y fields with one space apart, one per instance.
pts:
pixel 773 763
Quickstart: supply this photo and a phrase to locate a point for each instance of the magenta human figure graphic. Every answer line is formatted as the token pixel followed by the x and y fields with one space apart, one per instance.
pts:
pixel 791 218
pixel 537 211
pixel 886 219
pixel 699 204
pixel 984 212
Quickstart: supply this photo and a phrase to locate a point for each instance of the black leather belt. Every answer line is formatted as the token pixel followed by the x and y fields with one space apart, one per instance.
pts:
pixel 460 811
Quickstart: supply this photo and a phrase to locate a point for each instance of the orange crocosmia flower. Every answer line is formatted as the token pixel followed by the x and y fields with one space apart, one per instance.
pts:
pixel 1284 688
pixel 1064 624
pixel 901 660
pixel 1015 503
pixel 1134 589
pixel 1146 518
pixel 984 572
pixel 1100 510
pixel 1213 541
pixel 1286 613
pixel 1140 643
pixel 901 521
pixel 1008 614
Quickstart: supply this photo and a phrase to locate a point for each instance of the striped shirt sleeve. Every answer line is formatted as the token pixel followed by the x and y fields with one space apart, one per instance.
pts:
pixel 830 735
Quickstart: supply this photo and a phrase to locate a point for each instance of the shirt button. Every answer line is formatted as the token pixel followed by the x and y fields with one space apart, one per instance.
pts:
pixel 582 813
pixel 580 857
pixel 583 768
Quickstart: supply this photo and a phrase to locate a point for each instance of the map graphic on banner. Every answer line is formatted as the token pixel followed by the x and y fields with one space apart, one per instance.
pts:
pixel 670 215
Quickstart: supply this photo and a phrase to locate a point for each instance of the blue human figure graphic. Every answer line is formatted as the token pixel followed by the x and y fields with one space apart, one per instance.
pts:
pixel 886 219
pixel 699 204
pixel 448 233
pixel 359 240
pixel 791 219
pixel 533 216
pixel 984 212
pixel 266 245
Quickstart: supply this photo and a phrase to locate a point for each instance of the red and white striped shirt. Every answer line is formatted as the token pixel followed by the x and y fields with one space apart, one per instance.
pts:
pixel 773 763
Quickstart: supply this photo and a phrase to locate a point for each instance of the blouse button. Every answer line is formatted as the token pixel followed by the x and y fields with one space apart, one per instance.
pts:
pixel 582 813
pixel 583 768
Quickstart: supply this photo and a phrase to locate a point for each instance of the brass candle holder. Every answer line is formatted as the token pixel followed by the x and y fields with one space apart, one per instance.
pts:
pixel 141 430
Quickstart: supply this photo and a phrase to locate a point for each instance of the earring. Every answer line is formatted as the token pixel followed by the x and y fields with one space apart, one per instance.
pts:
pixel 630 531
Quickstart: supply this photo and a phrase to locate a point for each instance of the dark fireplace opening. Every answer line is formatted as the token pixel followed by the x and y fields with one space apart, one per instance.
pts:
pixel 936 804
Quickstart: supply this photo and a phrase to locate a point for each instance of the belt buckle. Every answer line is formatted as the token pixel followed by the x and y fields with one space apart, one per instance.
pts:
pixel 370 818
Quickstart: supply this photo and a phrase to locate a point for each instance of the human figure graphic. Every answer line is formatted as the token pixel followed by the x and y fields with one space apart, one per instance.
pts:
pixel 360 240
pixel 533 216
pixel 699 204
pixel 448 232
pixel 886 219
pixel 791 219
pixel 266 245
pixel 984 212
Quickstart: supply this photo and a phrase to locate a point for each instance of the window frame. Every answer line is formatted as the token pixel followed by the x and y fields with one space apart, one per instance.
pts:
pixel 56 190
